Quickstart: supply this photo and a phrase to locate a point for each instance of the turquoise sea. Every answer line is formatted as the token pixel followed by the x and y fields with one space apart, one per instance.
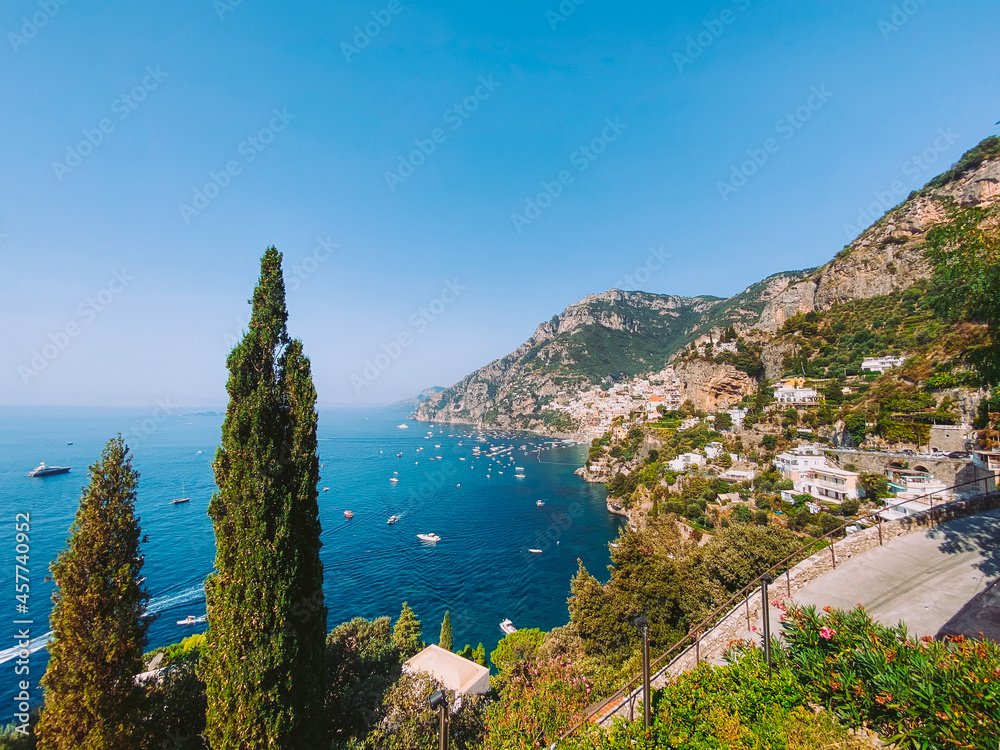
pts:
pixel 487 519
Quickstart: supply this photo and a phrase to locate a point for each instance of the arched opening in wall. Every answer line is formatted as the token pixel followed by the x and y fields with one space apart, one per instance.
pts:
pixel 920 467
pixel 895 465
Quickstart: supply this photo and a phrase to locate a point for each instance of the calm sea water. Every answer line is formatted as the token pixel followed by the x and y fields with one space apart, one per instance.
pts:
pixel 487 518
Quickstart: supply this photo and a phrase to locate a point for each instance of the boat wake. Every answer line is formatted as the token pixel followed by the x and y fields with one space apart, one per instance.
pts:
pixel 159 604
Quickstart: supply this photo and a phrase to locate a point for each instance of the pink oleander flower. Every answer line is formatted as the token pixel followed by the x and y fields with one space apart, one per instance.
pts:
pixel 827 633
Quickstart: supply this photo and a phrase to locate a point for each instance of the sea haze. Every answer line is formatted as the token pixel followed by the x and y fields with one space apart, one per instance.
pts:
pixel 481 569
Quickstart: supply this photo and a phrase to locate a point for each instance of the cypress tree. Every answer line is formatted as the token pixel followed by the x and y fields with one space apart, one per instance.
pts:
pixel 406 633
pixel 92 701
pixel 263 664
pixel 445 641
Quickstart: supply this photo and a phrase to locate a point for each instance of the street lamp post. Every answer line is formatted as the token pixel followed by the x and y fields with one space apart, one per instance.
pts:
pixel 439 701
pixel 643 624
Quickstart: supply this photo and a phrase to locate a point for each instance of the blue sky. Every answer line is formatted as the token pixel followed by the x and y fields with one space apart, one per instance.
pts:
pixel 387 169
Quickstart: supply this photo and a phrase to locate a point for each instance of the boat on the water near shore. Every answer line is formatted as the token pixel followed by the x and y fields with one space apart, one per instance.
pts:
pixel 539 503
pixel 189 620
pixel 392 519
pixel 519 476
pixel 70 443
pixel 393 479
pixel 403 426
pixel 507 627
pixel 180 500
pixel 348 514
pixel 534 551
pixel 326 489
pixel 47 471
pixel 432 537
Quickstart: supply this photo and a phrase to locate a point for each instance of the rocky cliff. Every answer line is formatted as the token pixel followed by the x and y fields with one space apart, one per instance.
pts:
pixel 887 256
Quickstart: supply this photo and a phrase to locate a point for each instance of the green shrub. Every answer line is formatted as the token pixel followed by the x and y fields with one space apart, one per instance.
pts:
pixel 920 694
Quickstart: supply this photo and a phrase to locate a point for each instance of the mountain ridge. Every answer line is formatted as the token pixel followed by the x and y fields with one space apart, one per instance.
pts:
pixel 617 335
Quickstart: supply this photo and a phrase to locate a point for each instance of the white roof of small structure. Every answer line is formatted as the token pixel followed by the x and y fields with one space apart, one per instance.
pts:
pixel 451 670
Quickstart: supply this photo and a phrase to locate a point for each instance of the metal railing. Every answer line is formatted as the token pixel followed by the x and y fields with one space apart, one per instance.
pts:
pixel 694 637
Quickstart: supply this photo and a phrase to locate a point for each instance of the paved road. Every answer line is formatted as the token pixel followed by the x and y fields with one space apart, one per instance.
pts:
pixel 938 582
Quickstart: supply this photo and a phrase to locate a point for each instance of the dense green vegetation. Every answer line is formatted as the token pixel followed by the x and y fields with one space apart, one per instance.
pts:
pixel 836 670
pixel 672 581
pixel 965 252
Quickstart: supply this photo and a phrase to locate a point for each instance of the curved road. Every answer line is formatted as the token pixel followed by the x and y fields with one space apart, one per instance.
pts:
pixel 939 582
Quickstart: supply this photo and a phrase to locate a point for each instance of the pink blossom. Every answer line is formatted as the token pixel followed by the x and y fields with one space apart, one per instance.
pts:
pixel 827 633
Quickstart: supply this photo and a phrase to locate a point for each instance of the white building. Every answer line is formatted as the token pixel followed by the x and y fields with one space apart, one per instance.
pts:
pixel 882 364
pixel 828 483
pixel 795 393
pixel 738 416
pixel 685 459
pixel 791 464
pixel 453 671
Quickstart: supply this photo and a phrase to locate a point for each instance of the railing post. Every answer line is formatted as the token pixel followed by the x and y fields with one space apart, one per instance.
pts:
pixel 833 555
pixel 747 603
pixel 788 582
pixel 880 530
pixel 765 581
pixel 697 648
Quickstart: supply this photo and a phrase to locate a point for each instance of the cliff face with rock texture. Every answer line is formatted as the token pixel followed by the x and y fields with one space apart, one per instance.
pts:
pixel 614 336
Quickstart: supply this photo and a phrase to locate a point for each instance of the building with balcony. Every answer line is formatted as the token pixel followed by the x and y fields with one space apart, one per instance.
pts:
pixel 795 392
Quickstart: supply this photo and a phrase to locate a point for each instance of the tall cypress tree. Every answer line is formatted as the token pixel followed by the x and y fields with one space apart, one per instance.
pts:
pixel 92 701
pixel 263 664
pixel 446 639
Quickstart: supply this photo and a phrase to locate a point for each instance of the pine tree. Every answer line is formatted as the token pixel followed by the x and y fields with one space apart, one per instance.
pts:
pixel 445 641
pixel 406 633
pixel 263 664
pixel 92 701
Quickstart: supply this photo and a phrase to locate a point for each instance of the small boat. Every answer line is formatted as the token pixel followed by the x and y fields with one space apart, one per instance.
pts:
pixel 47 471
pixel 326 489
pixel 507 627
pixel 70 443
pixel 519 476
pixel 348 514
pixel 180 500
pixel 432 537
pixel 539 503
pixel 534 551
pixel 393 480
pixel 189 620
pixel 399 455
pixel 392 519
pixel 403 426
pixel 519 468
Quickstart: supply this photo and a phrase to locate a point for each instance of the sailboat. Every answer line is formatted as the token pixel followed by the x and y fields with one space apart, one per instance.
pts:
pixel 183 499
